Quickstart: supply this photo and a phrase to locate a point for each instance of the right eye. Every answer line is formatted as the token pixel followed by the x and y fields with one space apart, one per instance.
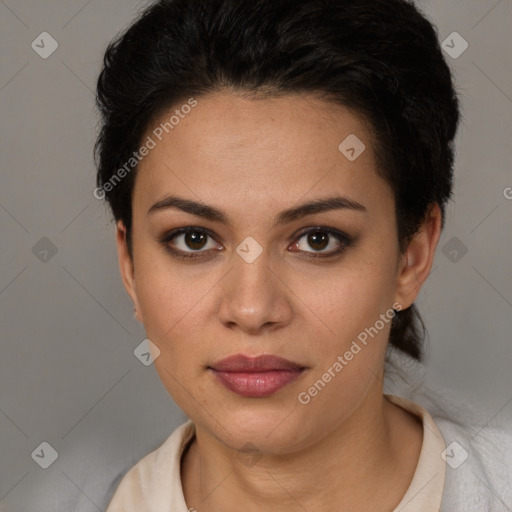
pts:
pixel 188 242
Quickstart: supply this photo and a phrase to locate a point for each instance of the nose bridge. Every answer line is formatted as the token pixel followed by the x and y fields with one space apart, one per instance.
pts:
pixel 252 296
pixel 252 278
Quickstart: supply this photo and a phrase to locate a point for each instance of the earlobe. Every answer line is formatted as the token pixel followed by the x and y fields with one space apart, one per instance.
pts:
pixel 418 258
pixel 126 267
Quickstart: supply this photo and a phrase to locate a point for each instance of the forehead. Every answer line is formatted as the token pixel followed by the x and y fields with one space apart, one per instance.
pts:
pixel 228 146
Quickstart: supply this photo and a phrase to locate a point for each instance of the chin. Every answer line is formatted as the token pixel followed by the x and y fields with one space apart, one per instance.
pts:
pixel 272 429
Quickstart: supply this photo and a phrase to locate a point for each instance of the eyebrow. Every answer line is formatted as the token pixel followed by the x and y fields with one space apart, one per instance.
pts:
pixel 215 215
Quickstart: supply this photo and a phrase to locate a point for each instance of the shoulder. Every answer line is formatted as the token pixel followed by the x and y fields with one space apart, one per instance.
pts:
pixel 154 479
pixel 478 466
pixel 478 445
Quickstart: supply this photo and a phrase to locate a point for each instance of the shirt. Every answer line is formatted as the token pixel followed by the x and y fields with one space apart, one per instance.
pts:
pixel 154 483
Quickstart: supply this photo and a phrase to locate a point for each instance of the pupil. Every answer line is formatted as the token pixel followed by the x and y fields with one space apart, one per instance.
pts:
pixel 195 240
pixel 318 240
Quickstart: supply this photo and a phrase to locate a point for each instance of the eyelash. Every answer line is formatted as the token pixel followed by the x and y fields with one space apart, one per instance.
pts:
pixel 345 240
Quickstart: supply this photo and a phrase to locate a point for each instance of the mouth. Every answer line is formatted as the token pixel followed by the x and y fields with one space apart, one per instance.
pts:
pixel 256 377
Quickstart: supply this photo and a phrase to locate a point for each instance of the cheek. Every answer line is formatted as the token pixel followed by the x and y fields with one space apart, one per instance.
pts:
pixel 350 352
pixel 355 332
pixel 350 303
pixel 170 298
pixel 351 297
pixel 171 304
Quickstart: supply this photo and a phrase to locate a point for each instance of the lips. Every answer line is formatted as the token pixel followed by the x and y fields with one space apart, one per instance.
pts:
pixel 256 377
pixel 263 363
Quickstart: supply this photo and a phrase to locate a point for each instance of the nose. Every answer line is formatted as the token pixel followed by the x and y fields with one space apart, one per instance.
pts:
pixel 254 297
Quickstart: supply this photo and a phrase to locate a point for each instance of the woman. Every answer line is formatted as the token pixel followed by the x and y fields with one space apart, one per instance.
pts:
pixel 278 172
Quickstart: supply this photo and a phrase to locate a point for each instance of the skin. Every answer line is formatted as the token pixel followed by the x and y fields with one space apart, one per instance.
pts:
pixel 252 159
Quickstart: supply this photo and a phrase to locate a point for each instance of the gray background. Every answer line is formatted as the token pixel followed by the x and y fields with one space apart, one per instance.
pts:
pixel 68 374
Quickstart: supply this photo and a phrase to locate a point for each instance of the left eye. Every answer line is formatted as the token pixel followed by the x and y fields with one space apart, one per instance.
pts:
pixel 322 240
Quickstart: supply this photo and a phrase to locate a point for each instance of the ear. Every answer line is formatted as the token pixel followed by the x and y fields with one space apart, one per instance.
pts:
pixel 417 260
pixel 126 267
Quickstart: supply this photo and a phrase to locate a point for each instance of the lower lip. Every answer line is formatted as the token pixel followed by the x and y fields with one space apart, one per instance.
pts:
pixel 257 385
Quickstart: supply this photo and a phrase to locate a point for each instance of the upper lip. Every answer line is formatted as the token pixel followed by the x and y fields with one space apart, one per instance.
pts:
pixel 266 362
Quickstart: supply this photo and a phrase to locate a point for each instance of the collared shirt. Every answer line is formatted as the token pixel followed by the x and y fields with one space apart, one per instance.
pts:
pixel 154 483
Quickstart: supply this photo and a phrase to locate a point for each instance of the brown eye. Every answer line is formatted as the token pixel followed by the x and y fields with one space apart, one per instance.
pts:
pixel 195 240
pixel 318 241
pixel 324 241
pixel 189 242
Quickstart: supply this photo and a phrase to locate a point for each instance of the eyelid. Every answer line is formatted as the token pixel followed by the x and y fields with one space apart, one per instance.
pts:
pixel 168 235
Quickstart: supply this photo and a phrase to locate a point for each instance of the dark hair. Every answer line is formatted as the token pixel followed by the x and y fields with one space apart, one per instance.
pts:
pixel 380 58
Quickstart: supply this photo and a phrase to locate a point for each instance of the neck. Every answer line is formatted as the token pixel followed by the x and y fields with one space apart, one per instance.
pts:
pixel 358 466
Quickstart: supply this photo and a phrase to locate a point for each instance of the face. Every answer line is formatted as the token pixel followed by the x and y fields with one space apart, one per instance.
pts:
pixel 256 274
